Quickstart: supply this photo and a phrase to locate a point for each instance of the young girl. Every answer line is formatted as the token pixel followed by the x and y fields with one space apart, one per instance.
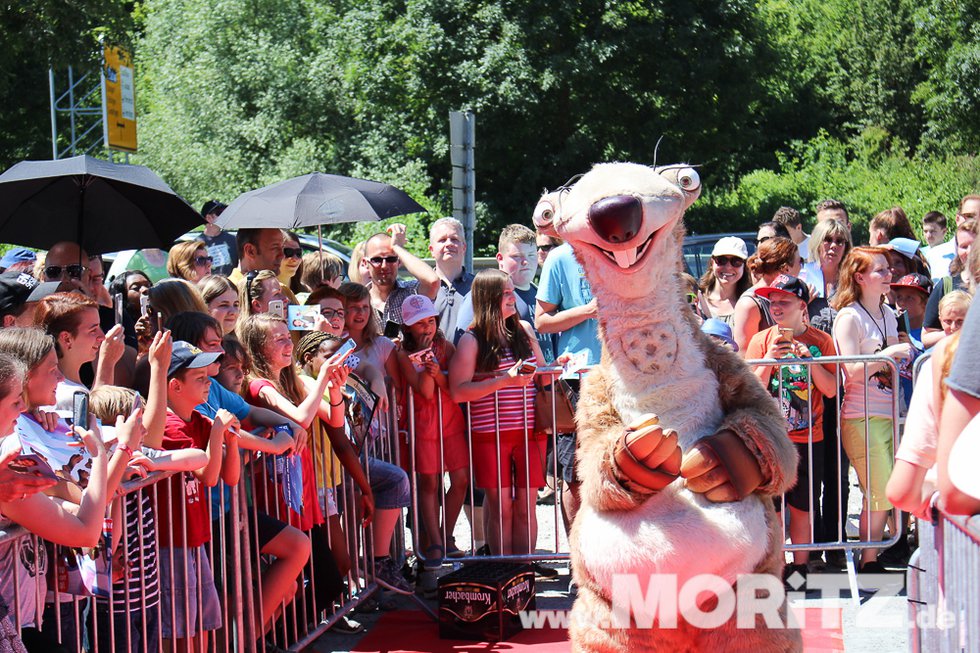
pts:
pixel 487 372
pixel 231 372
pixel 866 325
pixel 73 321
pixel 439 447
pixel 28 369
pixel 221 296
pixel 952 310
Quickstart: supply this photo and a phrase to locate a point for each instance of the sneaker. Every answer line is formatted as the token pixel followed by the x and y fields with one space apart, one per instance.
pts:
pixel 836 559
pixel 347 626
pixel 544 572
pixel 867 569
pixel 453 551
pixel 897 555
pixel 388 576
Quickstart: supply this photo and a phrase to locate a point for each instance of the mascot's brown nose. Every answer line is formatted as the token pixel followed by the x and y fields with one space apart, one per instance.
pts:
pixel 616 219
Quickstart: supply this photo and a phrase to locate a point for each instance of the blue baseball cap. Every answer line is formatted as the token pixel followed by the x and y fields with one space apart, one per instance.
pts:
pixel 17 255
pixel 187 356
pixel 715 327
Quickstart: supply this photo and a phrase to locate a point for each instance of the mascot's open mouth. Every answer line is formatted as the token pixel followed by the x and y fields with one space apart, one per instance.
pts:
pixel 626 258
pixel 630 260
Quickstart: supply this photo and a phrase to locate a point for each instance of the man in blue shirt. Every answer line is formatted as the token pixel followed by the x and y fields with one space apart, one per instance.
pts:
pixel 565 306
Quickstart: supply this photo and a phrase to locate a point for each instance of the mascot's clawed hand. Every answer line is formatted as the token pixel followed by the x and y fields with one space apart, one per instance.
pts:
pixel 647 455
pixel 720 466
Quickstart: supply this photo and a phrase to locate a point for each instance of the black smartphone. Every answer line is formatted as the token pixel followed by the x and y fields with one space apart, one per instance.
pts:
pixel 903 322
pixel 392 329
pixel 79 409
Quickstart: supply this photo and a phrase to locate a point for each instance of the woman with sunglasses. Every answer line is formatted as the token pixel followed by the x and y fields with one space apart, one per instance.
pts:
pixel 725 279
pixel 829 244
pixel 775 256
pixel 291 270
pixel 189 261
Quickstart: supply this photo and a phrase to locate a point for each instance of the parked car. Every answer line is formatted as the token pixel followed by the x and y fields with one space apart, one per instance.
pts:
pixel 697 249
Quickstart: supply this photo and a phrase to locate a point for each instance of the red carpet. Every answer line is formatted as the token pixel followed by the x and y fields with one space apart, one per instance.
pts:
pixel 409 631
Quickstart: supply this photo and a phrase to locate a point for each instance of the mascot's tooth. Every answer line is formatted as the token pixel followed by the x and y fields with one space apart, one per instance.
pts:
pixel 625 258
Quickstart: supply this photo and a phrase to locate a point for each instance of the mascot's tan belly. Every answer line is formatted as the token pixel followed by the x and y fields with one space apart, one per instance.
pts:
pixel 675 531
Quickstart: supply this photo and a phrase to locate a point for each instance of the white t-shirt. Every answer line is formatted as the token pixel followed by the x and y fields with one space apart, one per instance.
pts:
pixel 66 394
pixel 871 341
pixel 28 562
pixel 939 258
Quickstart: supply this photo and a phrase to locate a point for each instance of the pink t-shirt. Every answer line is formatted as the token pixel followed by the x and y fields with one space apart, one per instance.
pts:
pixel 918 444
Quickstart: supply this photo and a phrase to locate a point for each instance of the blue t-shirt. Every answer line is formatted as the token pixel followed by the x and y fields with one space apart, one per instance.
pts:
pixel 221 397
pixel 563 283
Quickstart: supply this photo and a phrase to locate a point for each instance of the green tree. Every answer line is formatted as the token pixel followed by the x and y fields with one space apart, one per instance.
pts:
pixel 42 34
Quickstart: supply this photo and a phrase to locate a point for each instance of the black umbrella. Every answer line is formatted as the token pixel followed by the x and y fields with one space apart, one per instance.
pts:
pixel 101 205
pixel 316 199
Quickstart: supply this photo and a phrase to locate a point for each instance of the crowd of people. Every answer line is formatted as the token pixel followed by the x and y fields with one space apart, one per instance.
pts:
pixel 206 361
pixel 805 296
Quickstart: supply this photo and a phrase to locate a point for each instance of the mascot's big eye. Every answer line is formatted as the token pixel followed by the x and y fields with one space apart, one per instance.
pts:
pixel 688 179
pixel 544 214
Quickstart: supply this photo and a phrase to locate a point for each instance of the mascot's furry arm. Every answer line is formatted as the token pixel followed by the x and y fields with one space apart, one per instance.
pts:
pixel 750 413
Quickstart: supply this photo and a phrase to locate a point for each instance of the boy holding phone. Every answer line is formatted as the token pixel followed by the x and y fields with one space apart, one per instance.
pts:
pixel 799 390
pixel 187 386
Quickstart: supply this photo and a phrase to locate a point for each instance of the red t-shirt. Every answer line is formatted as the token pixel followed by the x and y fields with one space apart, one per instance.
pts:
pixel 311 515
pixel 178 434
pixel 793 401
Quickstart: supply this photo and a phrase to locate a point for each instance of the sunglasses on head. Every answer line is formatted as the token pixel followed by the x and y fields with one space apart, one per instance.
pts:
pixel 759 241
pixel 378 260
pixel 203 260
pixel 289 252
pixel 733 261
pixel 75 271
pixel 249 278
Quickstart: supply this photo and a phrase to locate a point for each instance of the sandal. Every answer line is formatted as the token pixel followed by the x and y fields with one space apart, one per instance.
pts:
pixel 453 551
pixel 433 557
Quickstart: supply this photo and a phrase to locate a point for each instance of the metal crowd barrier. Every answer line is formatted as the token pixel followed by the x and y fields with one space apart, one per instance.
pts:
pixel 944 596
pixel 73 620
pixel 555 549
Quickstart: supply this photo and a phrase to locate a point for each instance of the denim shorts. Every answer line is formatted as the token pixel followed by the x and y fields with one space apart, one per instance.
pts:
pixel 389 483
pixel 183 593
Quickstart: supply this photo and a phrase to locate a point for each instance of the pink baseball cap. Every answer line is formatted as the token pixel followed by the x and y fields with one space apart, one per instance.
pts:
pixel 417 307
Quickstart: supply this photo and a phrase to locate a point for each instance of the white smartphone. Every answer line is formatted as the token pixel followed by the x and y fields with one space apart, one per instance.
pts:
pixel 278 308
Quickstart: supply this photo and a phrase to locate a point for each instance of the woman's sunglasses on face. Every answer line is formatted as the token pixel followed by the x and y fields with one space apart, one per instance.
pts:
pixel 732 261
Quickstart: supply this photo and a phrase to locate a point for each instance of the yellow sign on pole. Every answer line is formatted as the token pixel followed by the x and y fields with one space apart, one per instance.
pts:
pixel 118 101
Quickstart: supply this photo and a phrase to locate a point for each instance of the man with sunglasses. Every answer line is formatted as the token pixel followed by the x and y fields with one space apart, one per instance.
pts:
pixel 258 249
pixel 385 254
pixel 222 246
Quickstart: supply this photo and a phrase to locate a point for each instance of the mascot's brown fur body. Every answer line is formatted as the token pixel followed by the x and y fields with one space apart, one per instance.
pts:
pixel 624 222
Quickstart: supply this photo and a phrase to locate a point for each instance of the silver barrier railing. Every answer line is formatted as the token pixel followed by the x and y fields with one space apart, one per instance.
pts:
pixel 79 621
pixel 541 552
pixel 944 596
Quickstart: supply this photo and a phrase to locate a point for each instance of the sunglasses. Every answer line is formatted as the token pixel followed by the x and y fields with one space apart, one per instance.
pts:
pixel 545 248
pixel 733 261
pixel 201 261
pixel 74 271
pixel 378 260
pixel 759 241
pixel 249 278
pixel 840 242
pixel 289 252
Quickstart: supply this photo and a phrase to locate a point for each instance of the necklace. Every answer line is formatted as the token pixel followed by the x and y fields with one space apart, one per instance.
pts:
pixel 881 329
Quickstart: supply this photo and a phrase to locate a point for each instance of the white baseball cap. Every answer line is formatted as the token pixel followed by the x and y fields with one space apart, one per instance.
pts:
pixel 731 246
pixel 417 307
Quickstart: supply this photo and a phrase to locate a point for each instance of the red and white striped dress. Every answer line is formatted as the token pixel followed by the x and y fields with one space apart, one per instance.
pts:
pixel 515 406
